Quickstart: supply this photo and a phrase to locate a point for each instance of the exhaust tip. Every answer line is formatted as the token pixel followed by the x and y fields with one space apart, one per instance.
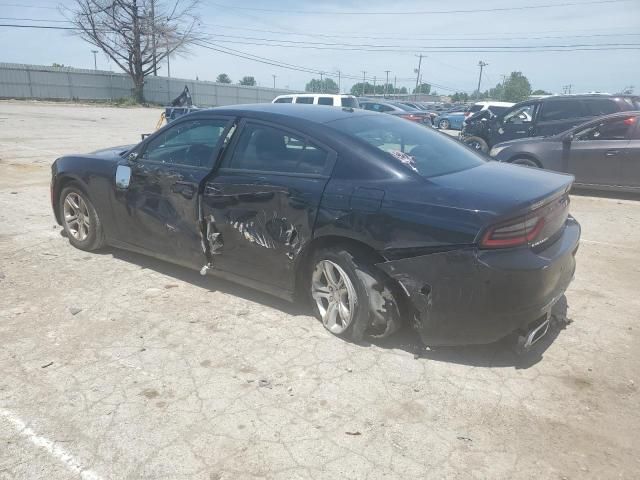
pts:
pixel 531 337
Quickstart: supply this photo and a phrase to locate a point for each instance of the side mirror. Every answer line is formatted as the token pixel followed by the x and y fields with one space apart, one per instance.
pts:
pixel 133 156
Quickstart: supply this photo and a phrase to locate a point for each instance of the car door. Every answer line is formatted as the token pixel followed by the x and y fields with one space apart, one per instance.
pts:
pixel 517 123
pixel 631 159
pixel 556 116
pixel 157 206
pixel 597 151
pixel 260 205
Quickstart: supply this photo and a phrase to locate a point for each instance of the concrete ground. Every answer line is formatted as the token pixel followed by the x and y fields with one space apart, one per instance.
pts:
pixel 114 365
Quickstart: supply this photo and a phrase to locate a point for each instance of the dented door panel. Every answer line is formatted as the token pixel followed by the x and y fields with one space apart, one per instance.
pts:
pixel 262 222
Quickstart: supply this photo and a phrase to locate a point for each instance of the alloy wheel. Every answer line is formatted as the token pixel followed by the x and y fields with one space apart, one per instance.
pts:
pixel 334 294
pixel 76 216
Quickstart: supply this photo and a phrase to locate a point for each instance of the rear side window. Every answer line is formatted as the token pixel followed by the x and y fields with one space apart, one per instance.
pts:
pixel 284 100
pixel 601 106
pixel 617 129
pixel 270 149
pixel 349 102
pixel 307 100
pixel 325 100
pixel 561 110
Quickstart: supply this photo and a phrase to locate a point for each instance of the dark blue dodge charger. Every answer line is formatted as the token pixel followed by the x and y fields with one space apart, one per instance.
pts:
pixel 374 219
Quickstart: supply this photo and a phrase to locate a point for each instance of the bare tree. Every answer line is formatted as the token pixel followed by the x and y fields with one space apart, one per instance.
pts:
pixel 137 34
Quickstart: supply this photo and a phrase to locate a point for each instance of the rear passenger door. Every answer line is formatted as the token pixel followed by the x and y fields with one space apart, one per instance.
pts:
pixel 631 159
pixel 262 202
pixel 558 115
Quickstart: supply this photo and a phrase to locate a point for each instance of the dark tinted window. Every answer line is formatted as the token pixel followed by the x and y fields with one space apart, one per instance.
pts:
pixel 284 100
pixel 617 129
pixel 273 150
pixel 187 143
pixel 601 106
pixel 325 100
pixel 498 110
pixel 308 100
pixel 420 149
pixel 561 110
pixel 474 108
pixel 349 102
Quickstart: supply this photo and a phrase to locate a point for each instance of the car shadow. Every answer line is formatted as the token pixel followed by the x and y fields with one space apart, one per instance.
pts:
pixel 495 355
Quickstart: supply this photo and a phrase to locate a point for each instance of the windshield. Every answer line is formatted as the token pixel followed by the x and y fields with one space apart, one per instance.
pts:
pixel 421 149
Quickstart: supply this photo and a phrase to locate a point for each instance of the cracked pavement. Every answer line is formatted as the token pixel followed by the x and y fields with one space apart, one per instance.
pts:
pixel 116 365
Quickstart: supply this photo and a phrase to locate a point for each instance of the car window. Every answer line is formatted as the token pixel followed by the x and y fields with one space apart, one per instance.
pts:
pixel 270 149
pixel 307 100
pixel 325 100
pixel 474 108
pixel 420 149
pixel 601 106
pixel 523 114
pixel 349 102
pixel 284 100
pixel 561 110
pixel 498 110
pixel 187 143
pixel 617 129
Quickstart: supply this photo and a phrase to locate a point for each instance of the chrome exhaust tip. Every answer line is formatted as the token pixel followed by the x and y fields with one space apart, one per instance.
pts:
pixel 526 341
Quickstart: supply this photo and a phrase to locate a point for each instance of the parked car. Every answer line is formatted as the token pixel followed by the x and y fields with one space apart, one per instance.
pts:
pixel 395 108
pixel 450 121
pixel 371 217
pixel 348 101
pixel 421 107
pixel 540 117
pixel 602 153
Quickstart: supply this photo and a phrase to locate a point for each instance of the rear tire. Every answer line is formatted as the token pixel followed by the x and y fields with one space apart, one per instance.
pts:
pixel 476 143
pixel 527 162
pixel 444 124
pixel 357 301
pixel 80 219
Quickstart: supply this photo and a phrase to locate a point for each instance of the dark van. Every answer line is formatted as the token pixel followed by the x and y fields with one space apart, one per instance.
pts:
pixel 541 117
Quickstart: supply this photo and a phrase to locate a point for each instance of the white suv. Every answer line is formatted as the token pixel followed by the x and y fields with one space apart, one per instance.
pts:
pixel 348 101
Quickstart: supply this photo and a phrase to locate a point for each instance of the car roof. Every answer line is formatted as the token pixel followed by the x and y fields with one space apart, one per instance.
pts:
pixel 311 113
pixel 314 95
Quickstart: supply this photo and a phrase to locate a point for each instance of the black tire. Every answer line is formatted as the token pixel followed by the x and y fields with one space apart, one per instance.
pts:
pixel 94 238
pixel 444 124
pixel 476 143
pixel 527 162
pixel 376 313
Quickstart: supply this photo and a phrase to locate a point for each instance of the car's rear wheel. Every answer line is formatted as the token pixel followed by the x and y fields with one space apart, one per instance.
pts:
pixel 80 220
pixel 349 296
pixel 444 124
pixel 527 162
pixel 476 143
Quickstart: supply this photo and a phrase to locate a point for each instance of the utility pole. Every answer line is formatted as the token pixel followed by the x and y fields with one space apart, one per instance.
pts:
pixel 386 84
pixel 374 85
pixel 153 37
pixel 481 64
pixel 418 72
pixel 504 80
pixel 168 61
pixel 274 81
pixel 394 84
pixel 339 83
pixel 364 74
pixel 321 83
pixel 95 61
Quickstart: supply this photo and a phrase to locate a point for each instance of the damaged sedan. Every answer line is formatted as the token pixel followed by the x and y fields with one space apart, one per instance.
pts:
pixel 373 219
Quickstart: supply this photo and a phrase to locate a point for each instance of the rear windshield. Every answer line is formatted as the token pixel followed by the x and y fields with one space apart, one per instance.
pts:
pixel 350 102
pixel 421 149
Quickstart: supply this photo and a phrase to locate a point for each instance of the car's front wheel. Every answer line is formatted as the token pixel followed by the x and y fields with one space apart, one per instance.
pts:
pixel 444 124
pixel 477 143
pixel 80 220
pixel 349 296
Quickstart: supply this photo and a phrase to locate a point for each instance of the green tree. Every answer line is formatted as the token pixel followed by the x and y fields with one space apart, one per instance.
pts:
pixel 423 88
pixel 326 85
pixel 248 81
pixel 460 97
pixel 516 88
pixel 540 92
pixel 223 78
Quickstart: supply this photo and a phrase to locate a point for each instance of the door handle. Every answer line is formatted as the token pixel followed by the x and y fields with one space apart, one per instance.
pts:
pixel 185 189
pixel 612 153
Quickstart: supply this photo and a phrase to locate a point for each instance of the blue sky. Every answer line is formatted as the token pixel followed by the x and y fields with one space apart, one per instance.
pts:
pixel 582 22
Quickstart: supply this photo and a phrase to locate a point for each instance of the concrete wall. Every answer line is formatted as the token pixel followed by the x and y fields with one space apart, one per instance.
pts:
pixel 64 83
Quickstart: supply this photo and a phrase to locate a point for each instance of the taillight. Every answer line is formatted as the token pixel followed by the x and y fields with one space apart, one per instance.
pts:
pixel 514 233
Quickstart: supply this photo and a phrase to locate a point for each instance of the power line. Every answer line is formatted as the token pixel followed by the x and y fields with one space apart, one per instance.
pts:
pixel 421 12
pixel 27 6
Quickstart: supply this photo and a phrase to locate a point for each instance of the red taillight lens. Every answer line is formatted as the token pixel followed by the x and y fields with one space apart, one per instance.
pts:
pixel 514 233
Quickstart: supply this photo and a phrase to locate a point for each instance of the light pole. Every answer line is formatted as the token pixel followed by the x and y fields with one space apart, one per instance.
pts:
pixel 386 84
pixel 95 61
pixel 274 81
